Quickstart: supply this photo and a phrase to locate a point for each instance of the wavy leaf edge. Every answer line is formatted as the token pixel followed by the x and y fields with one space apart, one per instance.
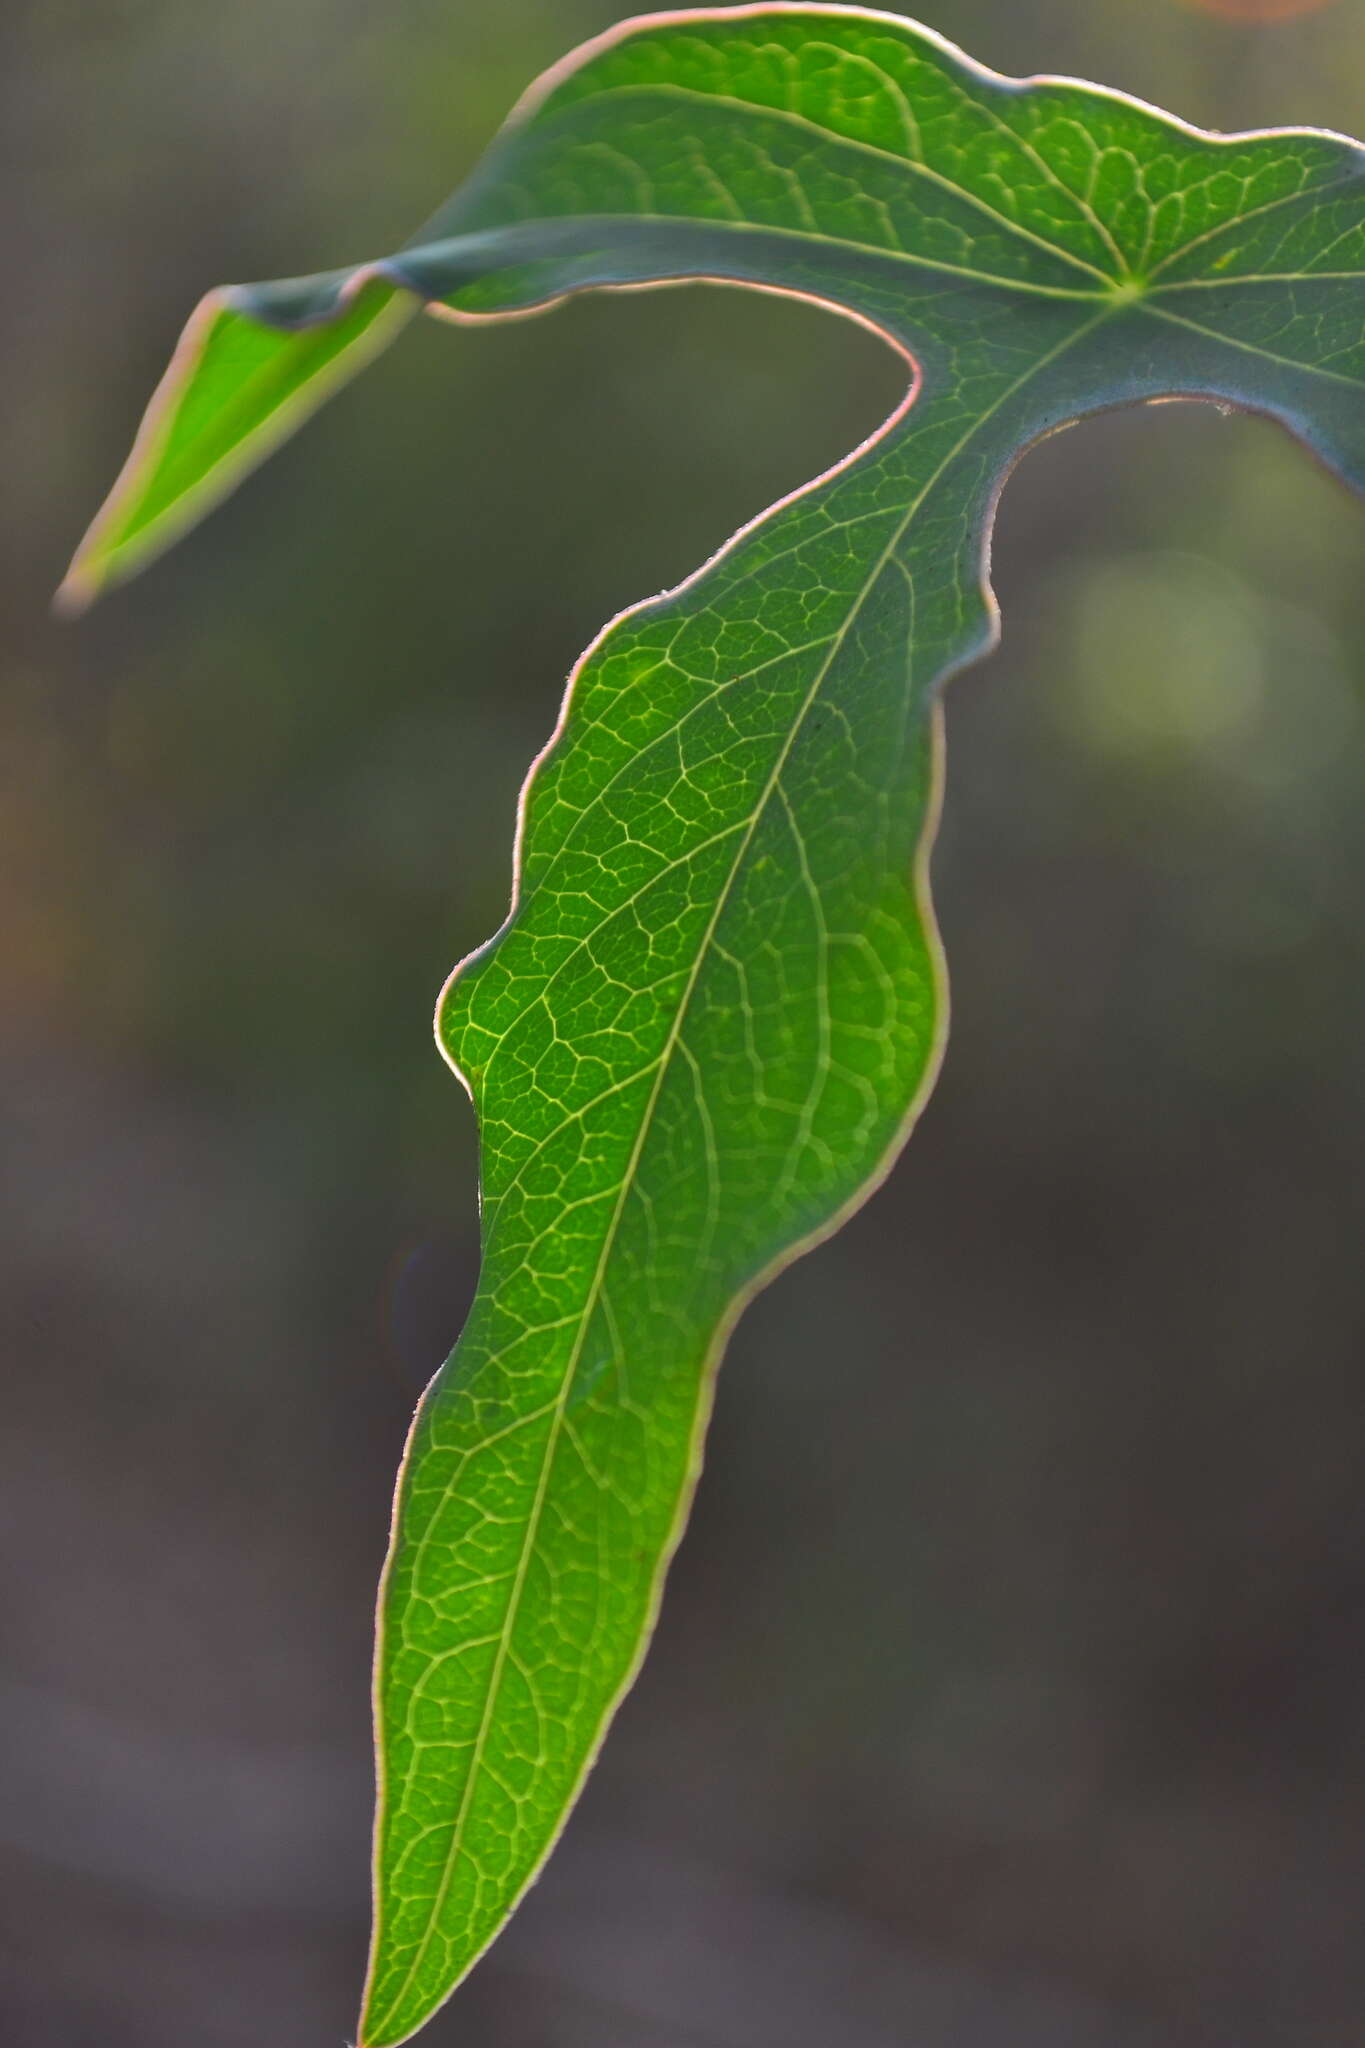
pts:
pixel 334 295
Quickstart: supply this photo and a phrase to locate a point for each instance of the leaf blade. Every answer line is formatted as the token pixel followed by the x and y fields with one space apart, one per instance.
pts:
pixel 717 1004
pixel 905 1033
pixel 235 389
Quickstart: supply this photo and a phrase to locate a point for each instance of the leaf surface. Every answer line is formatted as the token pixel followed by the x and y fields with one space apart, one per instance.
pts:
pixel 716 1005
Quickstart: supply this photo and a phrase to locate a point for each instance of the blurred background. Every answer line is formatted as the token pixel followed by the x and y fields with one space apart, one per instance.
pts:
pixel 1011 1684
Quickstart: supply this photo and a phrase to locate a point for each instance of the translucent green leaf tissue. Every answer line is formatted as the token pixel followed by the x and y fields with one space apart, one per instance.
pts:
pixel 716 1005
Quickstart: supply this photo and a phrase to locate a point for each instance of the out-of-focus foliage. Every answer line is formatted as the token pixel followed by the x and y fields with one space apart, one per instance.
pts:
pixel 1107 1774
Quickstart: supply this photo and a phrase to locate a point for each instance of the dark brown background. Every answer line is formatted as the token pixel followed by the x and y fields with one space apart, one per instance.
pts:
pixel 1011 1686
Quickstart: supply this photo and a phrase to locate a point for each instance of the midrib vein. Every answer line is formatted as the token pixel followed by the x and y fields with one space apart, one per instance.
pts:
pixel 1222 284
pixel 814 237
pixel 1255 348
pixel 594 1294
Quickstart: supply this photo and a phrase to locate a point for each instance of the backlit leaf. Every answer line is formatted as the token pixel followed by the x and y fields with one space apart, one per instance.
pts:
pixel 716 1005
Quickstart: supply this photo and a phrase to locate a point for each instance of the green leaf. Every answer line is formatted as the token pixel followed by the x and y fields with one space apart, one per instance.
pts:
pixel 716 1005
pixel 235 389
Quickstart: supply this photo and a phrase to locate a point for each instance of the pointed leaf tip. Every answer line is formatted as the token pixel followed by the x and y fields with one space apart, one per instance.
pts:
pixel 238 384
